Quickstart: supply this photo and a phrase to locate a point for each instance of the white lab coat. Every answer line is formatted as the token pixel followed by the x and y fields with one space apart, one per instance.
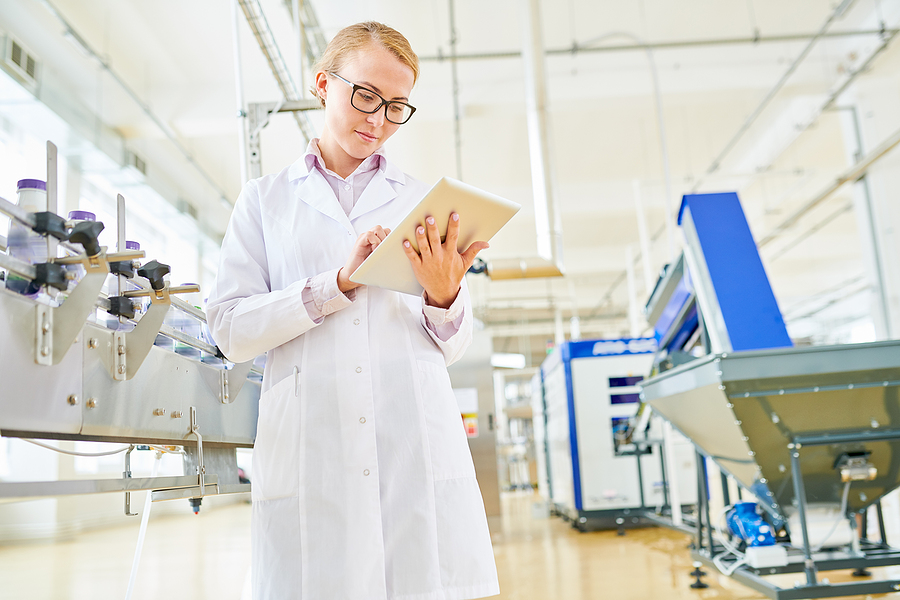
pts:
pixel 363 483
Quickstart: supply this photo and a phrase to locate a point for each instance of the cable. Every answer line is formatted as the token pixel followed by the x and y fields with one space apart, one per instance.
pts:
pixel 73 453
pixel 98 454
pixel 841 516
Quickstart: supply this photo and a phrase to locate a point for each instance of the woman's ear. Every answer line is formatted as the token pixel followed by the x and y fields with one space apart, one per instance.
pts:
pixel 321 87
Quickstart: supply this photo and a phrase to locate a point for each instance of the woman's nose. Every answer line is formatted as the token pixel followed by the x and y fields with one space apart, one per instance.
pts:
pixel 377 117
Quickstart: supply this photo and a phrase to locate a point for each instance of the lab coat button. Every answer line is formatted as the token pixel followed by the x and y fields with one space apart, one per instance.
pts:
pixel 347 187
pixel 359 369
pixel 366 472
pixel 356 321
pixel 362 419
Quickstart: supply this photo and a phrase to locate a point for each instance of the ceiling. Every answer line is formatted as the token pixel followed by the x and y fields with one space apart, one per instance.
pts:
pixel 177 60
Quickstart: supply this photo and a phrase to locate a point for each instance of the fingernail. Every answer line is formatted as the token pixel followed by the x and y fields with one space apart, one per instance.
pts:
pixel 406 243
pixel 430 220
pixel 421 230
pixel 455 217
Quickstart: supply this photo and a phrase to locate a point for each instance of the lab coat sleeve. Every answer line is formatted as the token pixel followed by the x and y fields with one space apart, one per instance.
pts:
pixel 246 317
pixel 450 329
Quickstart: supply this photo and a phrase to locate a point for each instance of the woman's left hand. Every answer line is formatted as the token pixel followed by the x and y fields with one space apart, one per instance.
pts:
pixel 440 267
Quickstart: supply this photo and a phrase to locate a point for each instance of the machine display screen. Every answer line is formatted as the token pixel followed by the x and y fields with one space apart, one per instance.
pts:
pixel 624 381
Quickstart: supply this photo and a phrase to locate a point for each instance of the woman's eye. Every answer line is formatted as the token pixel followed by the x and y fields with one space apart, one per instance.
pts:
pixel 366 97
pixel 396 109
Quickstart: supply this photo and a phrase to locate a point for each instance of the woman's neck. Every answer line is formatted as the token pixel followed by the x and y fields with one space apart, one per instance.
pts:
pixel 336 159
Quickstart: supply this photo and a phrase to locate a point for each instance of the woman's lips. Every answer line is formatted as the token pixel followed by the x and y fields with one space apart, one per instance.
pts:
pixel 366 137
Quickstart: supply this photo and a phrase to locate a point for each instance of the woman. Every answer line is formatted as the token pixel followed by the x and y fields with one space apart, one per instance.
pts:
pixel 363 484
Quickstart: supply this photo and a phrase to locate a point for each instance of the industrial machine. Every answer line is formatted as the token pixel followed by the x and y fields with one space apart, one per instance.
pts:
pixel 811 434
pixel 596 478
pixel 78 363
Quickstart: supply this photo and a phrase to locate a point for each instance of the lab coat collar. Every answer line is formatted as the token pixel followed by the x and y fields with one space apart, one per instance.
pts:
pixel 315 191
pixel 303 165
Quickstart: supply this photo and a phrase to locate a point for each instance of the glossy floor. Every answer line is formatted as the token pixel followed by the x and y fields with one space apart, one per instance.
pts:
pixel 207 557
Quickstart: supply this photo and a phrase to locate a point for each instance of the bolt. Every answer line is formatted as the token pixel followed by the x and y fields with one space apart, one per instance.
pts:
pixel 45 327
pixel 73 399
pixel 159 412
pixel 91 403
pixel 92 343
pixel 122 369
pixel 45 350
pixel 121 349
pixel 176 414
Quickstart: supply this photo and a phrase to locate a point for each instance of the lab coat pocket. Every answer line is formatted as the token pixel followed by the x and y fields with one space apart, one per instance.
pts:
pixel 275 454
pixel 450 456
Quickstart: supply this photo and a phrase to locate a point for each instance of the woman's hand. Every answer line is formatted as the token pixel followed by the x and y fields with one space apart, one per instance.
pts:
pixel 363 247
pixel 439 268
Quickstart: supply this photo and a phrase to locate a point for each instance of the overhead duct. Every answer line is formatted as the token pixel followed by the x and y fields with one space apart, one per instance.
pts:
pixel 549 262
pixel 266 40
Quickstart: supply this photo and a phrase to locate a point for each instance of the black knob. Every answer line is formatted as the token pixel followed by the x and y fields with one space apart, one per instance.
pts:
pixel 155 271
pixel 86 234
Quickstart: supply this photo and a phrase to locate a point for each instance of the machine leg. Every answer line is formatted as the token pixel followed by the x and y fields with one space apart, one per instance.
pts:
pixel 800 495
pixel 700 498
pixel 640 474
pixel 726 495
pixel 705 489
pixel 665 480
pixel 697 574
pixel 881 530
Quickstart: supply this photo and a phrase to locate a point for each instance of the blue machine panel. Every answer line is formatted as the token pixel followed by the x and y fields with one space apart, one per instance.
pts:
pixel 748 305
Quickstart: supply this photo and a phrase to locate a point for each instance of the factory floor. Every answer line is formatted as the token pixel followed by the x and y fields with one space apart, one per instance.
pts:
pixel 207 557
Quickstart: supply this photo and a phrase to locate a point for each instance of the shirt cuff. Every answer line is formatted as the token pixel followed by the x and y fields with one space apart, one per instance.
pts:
pixel 444 322
pixel 322 296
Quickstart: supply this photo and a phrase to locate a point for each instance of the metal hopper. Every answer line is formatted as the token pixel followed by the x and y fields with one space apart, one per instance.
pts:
pixel 756 413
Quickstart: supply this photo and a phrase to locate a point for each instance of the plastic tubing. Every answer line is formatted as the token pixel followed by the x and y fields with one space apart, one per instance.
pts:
pixel 140 543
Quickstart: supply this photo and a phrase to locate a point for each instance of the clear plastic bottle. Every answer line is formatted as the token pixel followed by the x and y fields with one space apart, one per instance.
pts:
pixel 75 217
pixel 23 243
pixel 187 324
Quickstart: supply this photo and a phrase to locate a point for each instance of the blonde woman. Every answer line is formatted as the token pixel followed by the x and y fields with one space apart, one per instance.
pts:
pixel 363 484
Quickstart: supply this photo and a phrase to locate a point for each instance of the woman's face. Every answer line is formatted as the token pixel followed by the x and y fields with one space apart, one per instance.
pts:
pixel 351 136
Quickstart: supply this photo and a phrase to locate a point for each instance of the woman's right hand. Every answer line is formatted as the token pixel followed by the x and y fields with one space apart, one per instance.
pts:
pixel 365 244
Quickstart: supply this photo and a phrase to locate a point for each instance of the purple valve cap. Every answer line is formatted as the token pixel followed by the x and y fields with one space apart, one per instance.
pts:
pixel 82 215
pixel 32 184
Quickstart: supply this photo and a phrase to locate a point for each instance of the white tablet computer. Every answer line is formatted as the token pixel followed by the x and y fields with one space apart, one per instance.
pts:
pixel 481 215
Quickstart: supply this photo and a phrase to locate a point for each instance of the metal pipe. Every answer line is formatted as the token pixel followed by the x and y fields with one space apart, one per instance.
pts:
pixel 546 210
pixel 239 91
pixel 455 79
pixel 166 130
pixel 661 127
pixel 717 161
pixel 643 237
pixel 866 215
pixel 265 38
pixel 576 48
pixel 852 174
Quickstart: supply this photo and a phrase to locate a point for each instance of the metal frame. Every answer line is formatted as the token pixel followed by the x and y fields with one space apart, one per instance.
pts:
pixel 802 559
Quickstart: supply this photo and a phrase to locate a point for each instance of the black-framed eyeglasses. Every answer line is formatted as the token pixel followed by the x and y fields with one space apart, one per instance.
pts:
pixel 366 101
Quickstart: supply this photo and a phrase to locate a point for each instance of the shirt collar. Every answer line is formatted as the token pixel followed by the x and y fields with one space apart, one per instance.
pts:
pixel 312 159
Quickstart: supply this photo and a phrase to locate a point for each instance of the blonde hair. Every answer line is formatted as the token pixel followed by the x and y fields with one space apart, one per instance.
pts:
pixel 355 37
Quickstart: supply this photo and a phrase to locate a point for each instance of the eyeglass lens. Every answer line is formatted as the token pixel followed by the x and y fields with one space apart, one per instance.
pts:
pixel 366 101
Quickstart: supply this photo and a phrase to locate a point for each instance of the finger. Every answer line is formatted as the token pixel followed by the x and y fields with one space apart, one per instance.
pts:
pixel 387 231
pixel 452 231
pixel 379 232
pixel 422 242
pixel 468 257
pixel 434 236
pixel 411 253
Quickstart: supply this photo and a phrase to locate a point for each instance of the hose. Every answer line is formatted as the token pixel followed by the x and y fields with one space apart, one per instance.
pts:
pixel 140 543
